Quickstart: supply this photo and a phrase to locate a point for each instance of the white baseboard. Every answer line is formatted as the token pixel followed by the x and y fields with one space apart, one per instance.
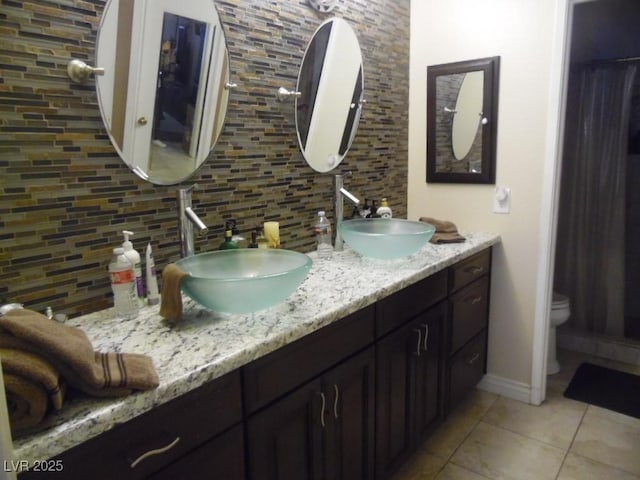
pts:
pixel 503 386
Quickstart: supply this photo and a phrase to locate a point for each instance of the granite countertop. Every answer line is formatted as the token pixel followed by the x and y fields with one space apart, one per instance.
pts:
pixel 206 345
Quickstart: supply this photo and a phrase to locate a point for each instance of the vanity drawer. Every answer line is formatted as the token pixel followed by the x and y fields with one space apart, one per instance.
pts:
pixel 469 312
pixel 289 367
pixel 186 423
pixel 397 309
pixel 469 270
pixel 466 369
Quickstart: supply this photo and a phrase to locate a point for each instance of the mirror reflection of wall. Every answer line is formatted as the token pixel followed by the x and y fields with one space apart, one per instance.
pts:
pixel 331 84
pixel 457 122
pixel 163 97
pixel 466 130
pixel 462 107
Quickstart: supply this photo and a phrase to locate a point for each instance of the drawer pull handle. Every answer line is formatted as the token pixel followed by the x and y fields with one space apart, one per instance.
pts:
pixel 426 336
pixel 474 358
pixel 335 402
pixel 153 452
pixel 474 300
pixel 324 404
pixel 474 270
pixel 419 340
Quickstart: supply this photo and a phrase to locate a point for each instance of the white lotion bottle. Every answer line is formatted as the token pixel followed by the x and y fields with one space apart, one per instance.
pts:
pixel 153 297
pixel 134 258
pixel 384 211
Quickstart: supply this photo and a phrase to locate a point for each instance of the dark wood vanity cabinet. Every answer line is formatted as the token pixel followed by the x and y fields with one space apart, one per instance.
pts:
pixel 196 436
pixel 311 405
pixel 409 374
pixel 350 401
pixel 322 430
pixel 466 330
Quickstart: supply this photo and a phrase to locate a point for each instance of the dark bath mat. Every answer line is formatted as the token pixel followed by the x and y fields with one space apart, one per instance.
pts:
pixel 607 388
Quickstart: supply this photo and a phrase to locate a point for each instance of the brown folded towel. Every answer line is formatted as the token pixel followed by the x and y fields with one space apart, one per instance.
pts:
pixel 446 231
pixel 35 369
pixel 26 402
pixel 69 351
pixel 171 306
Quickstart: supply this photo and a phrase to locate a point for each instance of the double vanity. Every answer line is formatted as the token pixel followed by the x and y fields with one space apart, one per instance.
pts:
pixel 343 379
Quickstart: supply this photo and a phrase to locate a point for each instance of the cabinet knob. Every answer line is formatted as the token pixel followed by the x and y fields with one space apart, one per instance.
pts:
pixel 142 121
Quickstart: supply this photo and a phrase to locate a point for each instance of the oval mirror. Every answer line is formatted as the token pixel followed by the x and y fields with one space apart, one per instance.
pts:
pixel 331 84
pixel 163 97
pixel 466 122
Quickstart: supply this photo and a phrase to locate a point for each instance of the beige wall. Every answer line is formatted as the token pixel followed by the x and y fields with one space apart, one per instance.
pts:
pixel 521 33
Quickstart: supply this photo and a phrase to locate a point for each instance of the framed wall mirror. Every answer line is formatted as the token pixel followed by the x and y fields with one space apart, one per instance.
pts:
pixel 462 121
pixel 163 97
pixel 331 87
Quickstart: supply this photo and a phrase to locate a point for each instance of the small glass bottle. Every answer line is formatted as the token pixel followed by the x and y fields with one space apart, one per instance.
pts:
pixel 228 243
pixel 323 232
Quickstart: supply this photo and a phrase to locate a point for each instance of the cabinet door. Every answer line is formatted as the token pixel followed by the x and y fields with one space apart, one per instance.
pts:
pixel 220 458
pixel 349 418
pixel 395 368
pixel 428 377
pixel 285 439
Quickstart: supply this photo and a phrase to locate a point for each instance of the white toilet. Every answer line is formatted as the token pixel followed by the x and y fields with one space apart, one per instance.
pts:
pixel 560 312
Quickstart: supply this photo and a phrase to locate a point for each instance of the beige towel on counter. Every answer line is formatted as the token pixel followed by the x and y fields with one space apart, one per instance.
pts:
pixel 171 298
pixel 26 403
pixel 446 231
pixel 69 351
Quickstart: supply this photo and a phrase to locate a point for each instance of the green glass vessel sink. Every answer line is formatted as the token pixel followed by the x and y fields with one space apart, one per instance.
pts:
pixel 385 238
pixel 243 280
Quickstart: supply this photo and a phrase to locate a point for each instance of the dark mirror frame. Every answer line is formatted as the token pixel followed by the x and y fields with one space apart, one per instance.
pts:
pixel 491 68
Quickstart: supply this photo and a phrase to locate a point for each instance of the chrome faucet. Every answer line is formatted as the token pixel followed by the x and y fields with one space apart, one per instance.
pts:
pixel 187 219
pixel 340 194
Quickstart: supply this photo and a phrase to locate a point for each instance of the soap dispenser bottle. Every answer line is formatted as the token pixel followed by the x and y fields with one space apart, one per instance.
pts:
pixel 228 243
pixel 384 211
pixel 134 258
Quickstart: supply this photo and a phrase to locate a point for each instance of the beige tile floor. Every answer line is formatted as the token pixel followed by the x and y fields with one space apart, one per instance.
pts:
pixel 494 437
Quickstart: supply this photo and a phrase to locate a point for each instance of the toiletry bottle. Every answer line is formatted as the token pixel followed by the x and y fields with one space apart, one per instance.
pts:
pixel 123 284
pixel 228 242
pixel 239 240
pixel 153 297
pixel 322 231
pixel 384 211
pixel 254 237
pixel 134 258
pixel 262 240
pixel 365 211
pixel 374 210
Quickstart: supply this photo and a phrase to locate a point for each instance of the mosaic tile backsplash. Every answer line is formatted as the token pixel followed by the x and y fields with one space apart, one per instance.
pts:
pixel 66 195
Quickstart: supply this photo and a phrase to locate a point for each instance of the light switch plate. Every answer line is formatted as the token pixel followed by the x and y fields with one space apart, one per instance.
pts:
pixel 502 200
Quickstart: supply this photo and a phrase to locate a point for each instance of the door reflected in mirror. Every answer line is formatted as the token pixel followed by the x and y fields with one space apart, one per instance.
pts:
pixel 163 97
pixel 462 111
pixel 331 83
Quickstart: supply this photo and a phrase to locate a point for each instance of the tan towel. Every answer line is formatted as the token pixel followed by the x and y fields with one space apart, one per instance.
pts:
pixel 446 231
pixel 32 386
pixel 69 351
pixel 171 306
pixel 35 369
pixel 26 402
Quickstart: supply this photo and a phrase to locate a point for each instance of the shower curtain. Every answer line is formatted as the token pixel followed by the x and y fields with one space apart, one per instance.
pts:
pixel 590 254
